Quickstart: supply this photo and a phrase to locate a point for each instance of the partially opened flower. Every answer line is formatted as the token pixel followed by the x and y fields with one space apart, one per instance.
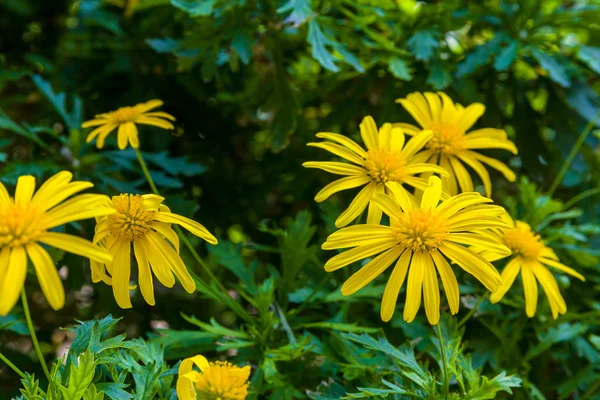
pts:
pixel 26 221
pixel 125 119
pixel 421 239
pixel 532 259
pixel 144 223
pixel 213 380
pixel 387 159
pixel 451 146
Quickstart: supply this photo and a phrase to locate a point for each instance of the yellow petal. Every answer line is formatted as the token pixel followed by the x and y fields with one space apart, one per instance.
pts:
pixel 344 141
pixel 448 281
pixel 160 114
pixel 555 299
pixel 122 137
pixel 431 291
pixel 469 116
pixel 474 264
pixel 369 134
pixel 475 239
pixel 562 267
pixel 530 290
pixel 173 261
pixel 159 267
pixel 121 273
pixel 334 167
pixel 356 235
pixel 4 196
pixel 397 139
pixel 462 175
pixel 481 171
pixel 385 136
pixel 192 226
pixel 448 182
pixel 435 105
pixel 405 200
pixel 371 270
pixel 418 114
pixel 339 151
pixel 4 256
pixel 145 276
pixel 358 253
pixel 433 193
pixel 76 245
pixel 168 233
pixel 132 134
pixel 45 270
pixel 417 168
pixel 357 206
pixel 497 165
pixel 491 144
pixel 415 284
pixel 374 213
pixel 415 144
pixel 157 122
pixel 509 274
pixel 25 189
pixel 348 182
pixel 388 205
pixel 14 278
pixel 393 286
pixel 149 105
pixel 185 385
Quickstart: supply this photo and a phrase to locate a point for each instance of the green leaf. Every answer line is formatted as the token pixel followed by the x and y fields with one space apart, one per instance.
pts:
pixel 181 343
pixel 80 377
pixel 229 255
pixel 199 8
pixel 591 57
pixel 14 323
pixel 93 394
pixel 488 388
pixel 72 118
pixel 215 328
pixel 439 77
pixel 399 68
pixel 423 44
pixel 114 390
pixel 164 45
pixel 242 43
pixel 555 68
pixel 31 388
pixel 10 125
pixel 507 56
pixel 300 11
pixel 292 351
pixel 12 171
pixel 561 333
pixel 285 105
pixel 83 333
pixel 318 42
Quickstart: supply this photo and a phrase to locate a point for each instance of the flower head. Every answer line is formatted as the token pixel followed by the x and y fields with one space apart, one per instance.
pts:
pixel 25 222
pixel 386 159
pixel 144 223
pixel 126 118
pixel 420 239
pixel 450 145
pixel 532 258
pixel 215 381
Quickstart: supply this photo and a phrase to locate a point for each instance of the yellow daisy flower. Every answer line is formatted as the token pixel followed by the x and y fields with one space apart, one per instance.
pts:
pixel 25 222
pixel 387 159
pixel 144 223
pixel 216 380
pixel 451 146
pixel 421 237
pixel 532 258
pixel 126 118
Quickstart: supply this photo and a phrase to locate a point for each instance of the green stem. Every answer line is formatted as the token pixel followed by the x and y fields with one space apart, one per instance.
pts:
pixel 565 167
pixel 12 366
pixel 581 196
pixel 444 361
pixel 284 324
pixel 588 393
pixel 186 241
pixel 472 311
pixel 36 344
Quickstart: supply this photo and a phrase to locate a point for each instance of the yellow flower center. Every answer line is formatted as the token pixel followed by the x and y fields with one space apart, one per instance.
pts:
pixel 523 241
pixel 447 138
pixel 131 221
pixel 222 381
pixel 20 224
pixel 420 229
pixel 125 114
pixel 385 166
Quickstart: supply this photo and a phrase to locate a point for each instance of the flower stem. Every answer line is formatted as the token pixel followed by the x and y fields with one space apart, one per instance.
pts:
pixel 576 199
pixel 186 241
pixel 12 366
pixel 444 361
pixel 36 344
pixel 472 311
pixel 565 167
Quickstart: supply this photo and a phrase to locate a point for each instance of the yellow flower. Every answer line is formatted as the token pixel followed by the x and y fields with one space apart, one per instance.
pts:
pixel 126 118
pixel 387 159
pixel 25 223
pixel 421 237
pixel 451 146
pixel 215 381
pixel 145 223
pixel 532 258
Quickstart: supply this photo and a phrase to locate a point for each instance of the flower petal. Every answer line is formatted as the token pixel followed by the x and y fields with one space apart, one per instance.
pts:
pixel 358 253
pixel 530 290
pixel 357 206
pixel 348 182
pixel 13 280
pixel 339 151
pixel 344 141
pixel 187 223
pixel 562 267
pixel 393 286
pixel 473 263
pixel 334 167
pixel 431 291
pixel 448 281
pixel 25 189
pixel 415 284
pixel 371 270
pixel 145 276
pixel 369 133
pixel 76 245
pixel 47 275
pixel 509 274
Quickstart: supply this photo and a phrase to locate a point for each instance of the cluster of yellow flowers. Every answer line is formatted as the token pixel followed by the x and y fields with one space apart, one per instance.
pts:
pixel 443 222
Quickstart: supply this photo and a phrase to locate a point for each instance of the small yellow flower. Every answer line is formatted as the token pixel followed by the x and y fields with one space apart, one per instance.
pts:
pixel 387 159
pixel 451 146
pixel 144 223
pixel 26 220
pixel 532 258
pixel 126 118
pixel 216 380
pixel 421 236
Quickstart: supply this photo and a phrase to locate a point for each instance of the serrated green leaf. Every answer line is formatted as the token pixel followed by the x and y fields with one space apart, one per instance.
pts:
pixel 199 8
pixel 12 126
pixel 93 394
pixel 439 77
pixel 318 41
pixel 507 56
pixel 80 377
pixel 423 44
pixel 555 68
pixel 114 390
pixel 72 118
pixel 591 57
pixel 399 68
pixel 488 388
pixel 300 10
pixel 229 256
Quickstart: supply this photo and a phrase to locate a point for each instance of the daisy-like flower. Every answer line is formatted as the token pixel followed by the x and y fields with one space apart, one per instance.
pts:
pixel 215 380
pixel 421 239
pixel 126 118
pixel 144 223
pixel 387 159
pixel 26 221
pixel 451 146
pixel 532 258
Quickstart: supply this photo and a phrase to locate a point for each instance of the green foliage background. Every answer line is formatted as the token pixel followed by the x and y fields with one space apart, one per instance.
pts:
pixel 251 82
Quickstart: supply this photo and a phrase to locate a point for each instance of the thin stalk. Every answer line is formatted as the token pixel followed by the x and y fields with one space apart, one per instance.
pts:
pixel 444 361
pixel 588 393
pixel 36 344
pixel 576 199
pixel 565 167
pixel 284 324
pixel 182 236
pixel 12 366
pixel 472 311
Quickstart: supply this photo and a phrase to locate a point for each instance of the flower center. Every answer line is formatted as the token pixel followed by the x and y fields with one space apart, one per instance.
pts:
pixel 20 224
pixel 420 229
pixel 131 221
pixel 523 241
pixel 447 138
pixel 125 114
pixel 385 166
pixel 221 382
